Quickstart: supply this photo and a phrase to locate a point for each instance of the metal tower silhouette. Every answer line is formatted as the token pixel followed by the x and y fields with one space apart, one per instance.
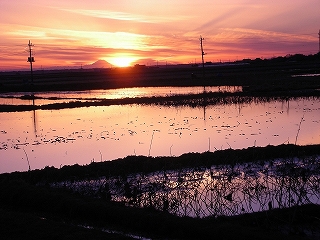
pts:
pixel 202 53
pixel 31 59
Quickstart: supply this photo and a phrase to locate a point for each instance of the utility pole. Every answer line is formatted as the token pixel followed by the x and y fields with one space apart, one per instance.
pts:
pixel 202 52
pixel 31 59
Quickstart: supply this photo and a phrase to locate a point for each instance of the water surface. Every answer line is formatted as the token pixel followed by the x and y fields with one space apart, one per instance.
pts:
pixel 63 137
pixel 14 98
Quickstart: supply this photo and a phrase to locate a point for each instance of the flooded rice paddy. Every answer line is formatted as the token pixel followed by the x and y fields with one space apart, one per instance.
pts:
pixel 212 191
pixel 35 139
pixel 14 98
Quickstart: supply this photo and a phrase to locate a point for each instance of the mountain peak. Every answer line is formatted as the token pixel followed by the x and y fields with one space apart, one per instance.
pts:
pixel 100 64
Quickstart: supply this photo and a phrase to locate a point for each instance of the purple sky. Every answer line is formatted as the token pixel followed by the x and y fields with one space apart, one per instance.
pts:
pixel 73 33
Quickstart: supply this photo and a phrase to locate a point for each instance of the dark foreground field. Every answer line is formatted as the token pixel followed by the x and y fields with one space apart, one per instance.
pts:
pixel 31 209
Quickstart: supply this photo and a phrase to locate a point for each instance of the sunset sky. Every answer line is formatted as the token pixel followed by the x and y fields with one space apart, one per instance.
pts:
pixel 79 32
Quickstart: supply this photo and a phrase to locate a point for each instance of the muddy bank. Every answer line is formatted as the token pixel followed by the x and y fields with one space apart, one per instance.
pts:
pixel 192 100
pixel 30 195
pixel 134 164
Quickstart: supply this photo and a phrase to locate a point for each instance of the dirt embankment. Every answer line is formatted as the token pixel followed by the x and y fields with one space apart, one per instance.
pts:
pixel 39 211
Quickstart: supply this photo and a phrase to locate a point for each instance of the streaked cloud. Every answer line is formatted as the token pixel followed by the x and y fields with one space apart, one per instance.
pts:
pixel 73 32
pixel 125 16
pixel 245 33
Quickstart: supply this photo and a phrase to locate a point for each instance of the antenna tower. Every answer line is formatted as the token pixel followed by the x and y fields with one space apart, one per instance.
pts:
pixel 31 59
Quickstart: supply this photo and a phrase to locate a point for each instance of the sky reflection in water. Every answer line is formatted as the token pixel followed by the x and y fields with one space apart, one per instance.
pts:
pixel 69 136
pixel 67 96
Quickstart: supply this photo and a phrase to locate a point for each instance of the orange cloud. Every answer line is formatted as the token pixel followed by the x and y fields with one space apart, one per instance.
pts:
pixel 72 32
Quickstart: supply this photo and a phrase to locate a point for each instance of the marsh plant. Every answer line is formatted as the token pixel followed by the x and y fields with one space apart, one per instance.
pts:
pixel 218 190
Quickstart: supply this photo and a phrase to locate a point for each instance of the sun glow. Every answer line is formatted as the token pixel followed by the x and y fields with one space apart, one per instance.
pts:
pixel 121 61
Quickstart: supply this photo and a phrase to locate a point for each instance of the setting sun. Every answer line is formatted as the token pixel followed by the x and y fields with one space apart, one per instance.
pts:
pixel 122 61
pixel 127 32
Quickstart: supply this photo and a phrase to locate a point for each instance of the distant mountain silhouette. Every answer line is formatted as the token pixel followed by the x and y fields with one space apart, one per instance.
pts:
pixel 99 64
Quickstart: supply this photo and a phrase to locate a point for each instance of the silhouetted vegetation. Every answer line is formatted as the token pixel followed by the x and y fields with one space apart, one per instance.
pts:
pixel 134 164
pixel 29 194
pixel 192 100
